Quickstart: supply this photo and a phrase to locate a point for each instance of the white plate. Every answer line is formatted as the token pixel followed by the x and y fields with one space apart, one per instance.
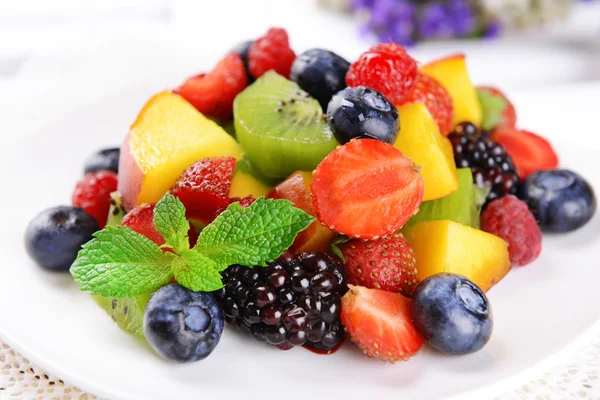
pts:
pixel 541 311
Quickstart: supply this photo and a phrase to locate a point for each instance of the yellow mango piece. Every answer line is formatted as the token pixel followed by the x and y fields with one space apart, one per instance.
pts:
pixel 421 141
pixel 452 73
pixel 244 184
pixel 168 136
pixel 446 246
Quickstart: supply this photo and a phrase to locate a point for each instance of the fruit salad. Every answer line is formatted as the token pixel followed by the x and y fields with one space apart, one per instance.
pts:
pixel 305 199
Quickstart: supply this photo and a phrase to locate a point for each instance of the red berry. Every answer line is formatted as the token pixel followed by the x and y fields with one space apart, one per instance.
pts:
pixel 92 193
pixel 204 187
pixel 380 323
pixel 430 92
pixel 387 263
pixel 497 108
pixel 271 51
pixel 386 68
pixel 141 220
pixel 529 152
pixel 212 94
pixel 509 218
pixel 366 189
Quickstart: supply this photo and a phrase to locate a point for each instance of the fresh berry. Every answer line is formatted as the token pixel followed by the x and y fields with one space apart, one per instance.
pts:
pixel 294 301
pixel 430 92
pixel 452 313
pixel 490 163
pixel 92 193
pixel 204 187
pixel 380 323
pixel 366 189
pixel 54 236
pixel 561 200
pixel 321 73
pixel 387 68
pixel 103 160
pixel 141 220
pixel 497 108
pixel 271 51
pixel 510 219
pixel 242 50
pixel 387 263
pixel 530 152
pixel 213 93
pixel 182 325
pixel 356 113
pixel 244 202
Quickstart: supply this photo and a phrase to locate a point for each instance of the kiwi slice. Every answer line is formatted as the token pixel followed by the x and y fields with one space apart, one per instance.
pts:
pixel 462 206
pixel 116 211
pixel 281 128
pixel 127 312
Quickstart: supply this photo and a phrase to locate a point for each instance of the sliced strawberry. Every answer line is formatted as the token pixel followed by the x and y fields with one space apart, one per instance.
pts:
pixel 204 187
pixel 530 152
pixel 212 94
pixel 366 189
pixel 497 108
pixel 380 323
pixel 141 220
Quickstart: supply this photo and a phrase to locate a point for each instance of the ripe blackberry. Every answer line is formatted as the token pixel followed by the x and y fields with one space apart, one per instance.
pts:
pixel 490 163
pixel 294 301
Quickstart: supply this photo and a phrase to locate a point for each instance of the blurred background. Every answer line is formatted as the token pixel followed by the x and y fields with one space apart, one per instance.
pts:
pixel 57 51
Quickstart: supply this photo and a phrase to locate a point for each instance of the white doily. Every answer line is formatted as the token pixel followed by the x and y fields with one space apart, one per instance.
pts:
pixel 576 379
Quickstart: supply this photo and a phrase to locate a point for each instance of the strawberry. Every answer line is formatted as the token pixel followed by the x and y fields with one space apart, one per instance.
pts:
pixel 213 93
pixel 387 263
pixel 92 193
pixel 366 189
pixel 380 323
pixel 430 92
pixel 244 202
pixel 529 152
pixel 204 187
pixel 497 109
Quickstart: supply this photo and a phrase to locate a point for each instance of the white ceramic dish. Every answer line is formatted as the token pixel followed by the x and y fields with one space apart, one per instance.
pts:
pixel 542 312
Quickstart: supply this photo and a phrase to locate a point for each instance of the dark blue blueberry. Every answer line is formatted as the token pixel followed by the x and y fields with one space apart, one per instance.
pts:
pixel 357 113
pixel 560 200
pixel 54 237
pixel 107 159
pixel 321 73
pixel 242 49
pixel 452 313
pixel 182 325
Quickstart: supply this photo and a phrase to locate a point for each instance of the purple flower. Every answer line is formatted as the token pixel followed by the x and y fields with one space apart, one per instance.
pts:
pixel 434 22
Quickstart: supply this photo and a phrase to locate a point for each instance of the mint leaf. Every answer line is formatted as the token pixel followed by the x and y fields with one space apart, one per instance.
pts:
pixel 119 262
pixel 253 235
pixel 197 272
pixel 334 246
pixel 170 221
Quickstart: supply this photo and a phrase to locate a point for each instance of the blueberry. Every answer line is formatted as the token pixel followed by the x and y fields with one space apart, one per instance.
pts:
pixel 560 200
pixel 54 237
pixel 359 112
pixel 107 159
pixel 182 325
pixel 452 313
pixel 242 49
pixel 321 73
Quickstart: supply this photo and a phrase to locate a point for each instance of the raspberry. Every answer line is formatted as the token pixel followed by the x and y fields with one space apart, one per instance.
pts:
pixel 510 219
pixel 294 301
pixel 386 68
pixel 430 92
pixel 92 193
pixel 271 51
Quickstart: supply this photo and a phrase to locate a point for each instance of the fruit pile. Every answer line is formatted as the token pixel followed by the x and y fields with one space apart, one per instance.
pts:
pixel 303 199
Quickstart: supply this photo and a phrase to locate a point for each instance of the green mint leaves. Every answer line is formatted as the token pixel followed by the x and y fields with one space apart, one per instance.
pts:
pixel 119 262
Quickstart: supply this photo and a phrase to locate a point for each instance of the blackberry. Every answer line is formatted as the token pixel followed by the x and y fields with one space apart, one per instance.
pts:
pixel 490 163
pixel 294 301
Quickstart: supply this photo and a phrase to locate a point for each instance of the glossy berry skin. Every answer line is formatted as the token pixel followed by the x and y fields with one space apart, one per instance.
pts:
pixel 321 73
pixel 92 193
pixel 55 235
pixel 452 313
pixel 103 160
pixel 358 113
pixel 294 301
pixel 182 325
pixel 561 200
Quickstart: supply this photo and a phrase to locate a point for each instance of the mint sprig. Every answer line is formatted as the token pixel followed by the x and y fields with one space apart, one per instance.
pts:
pixel 119 262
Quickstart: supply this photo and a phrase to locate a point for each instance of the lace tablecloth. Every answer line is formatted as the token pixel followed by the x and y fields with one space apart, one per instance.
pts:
pixel 575 379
